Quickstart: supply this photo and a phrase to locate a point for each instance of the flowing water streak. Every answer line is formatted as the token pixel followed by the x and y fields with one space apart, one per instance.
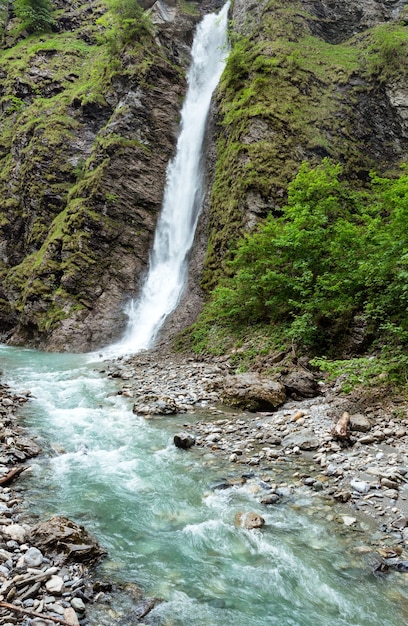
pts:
pixel 183 194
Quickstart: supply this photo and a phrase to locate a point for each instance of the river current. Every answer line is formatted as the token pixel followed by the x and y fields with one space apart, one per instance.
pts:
pixel 165 529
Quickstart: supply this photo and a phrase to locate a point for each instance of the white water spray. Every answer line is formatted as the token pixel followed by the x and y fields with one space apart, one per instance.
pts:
pixel 183 195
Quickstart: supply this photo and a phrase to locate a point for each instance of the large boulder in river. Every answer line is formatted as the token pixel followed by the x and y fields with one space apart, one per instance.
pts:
pixel 66 540
pixel 252 392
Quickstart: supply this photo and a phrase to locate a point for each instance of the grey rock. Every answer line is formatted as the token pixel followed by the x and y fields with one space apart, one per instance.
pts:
pixel 184 440
pixel 360 423
pixel 252 392
pixel 33 557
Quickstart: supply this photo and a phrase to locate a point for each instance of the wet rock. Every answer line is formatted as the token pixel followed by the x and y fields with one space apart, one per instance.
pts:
pixel 252 392
pixel 184 440
pixel 273 498
pixel 65 539
pixel 249 520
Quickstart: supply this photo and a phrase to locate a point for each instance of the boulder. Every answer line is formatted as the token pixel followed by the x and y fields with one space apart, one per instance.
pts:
pixel 249 520
pixel 252 392
pixel 66 540
pixel 300 382
pixel 184 440
pixel 360 423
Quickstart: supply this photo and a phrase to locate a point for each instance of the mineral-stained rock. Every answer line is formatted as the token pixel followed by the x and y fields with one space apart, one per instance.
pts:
pixel 65 539
pixel 249 520
pixel 252 392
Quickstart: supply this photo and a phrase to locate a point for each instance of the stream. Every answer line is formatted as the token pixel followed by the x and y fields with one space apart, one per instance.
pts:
pixel 152 506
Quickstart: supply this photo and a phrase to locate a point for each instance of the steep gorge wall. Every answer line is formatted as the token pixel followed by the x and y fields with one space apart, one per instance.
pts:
pixel 305 80
pixel 86 132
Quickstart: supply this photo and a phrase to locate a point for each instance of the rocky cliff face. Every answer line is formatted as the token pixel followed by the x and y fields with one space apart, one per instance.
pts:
pixel 86 133
pixel 305 80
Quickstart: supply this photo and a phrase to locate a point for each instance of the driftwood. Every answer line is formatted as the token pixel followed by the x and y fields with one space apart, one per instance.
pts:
pixel 341 428
pixel 19 609
pixel 12 474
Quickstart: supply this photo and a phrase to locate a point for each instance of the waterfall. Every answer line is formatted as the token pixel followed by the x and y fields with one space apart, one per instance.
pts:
pixel 183 194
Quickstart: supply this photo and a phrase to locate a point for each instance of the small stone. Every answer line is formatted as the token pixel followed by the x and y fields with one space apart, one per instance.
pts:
pixel 78 605
pixel 367 439
pixel 348 520
pixel 55 584
pixel 360 423
pixel 391 493
pixel 33 557
pixel 400 523
pixel 391 484
pixel 342 496
pixel 71 617
pixel 360 485
pixel 16 532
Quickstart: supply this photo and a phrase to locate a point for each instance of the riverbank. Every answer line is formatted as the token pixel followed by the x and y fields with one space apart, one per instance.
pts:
pixel 365 473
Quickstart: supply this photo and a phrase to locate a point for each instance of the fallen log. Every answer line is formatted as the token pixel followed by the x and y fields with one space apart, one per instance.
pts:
pixel 11 475
pixel 19 609
pixel 340 430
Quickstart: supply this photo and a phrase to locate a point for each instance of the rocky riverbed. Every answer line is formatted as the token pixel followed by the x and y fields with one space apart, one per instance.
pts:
pixel 281 449
pixel 365 474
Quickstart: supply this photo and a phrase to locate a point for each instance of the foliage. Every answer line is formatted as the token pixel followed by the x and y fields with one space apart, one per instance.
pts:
pixel 129 23
pixel 36 15
pixel 335 253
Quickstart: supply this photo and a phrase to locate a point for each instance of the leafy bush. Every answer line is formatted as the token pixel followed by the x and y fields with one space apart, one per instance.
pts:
pixel 336 252
pixel 36 15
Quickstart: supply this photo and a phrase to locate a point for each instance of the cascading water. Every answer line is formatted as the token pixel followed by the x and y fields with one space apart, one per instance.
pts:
pixel 183 194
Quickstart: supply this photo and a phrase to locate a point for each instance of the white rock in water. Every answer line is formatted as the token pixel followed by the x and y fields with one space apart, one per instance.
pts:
pixel 55 584
pixel 348 520
pixel 360 485
pixel 33 557
pixel 16 532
